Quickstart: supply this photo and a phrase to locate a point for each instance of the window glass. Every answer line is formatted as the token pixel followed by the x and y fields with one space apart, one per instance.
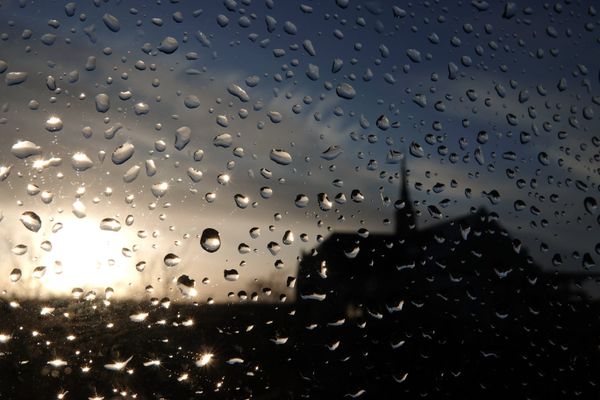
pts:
pixel 299 199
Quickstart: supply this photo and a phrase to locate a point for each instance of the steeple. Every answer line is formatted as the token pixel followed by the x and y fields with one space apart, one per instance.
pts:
pixel 405 214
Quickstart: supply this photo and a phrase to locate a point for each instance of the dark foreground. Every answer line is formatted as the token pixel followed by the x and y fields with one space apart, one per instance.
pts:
pixel 267 351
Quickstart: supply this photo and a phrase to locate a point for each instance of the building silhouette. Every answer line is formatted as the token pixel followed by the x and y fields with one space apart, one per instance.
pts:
pixel 455 310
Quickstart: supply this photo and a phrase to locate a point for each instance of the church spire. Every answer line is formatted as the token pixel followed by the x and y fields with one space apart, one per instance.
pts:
pixel 405 214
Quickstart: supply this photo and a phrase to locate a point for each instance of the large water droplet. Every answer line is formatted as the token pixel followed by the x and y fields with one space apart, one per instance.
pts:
pixel 15 275
pixel 80 161
pixel 223 140
pixel 301 200
pixel 345 91
pixel 171 260
pixel 14 78
pixel 332 153
pixel 102 102
pixel 241 201
pixel 110 224
pixel 53 124
pixel 238 92
pixel 31 221
pixel 210 240
pixel 39 272
pixel 24 148
pixel 324 203
pixel 288 237
pixel 186 285
pixel 182 137
pixel 123 153
pixel 111 22
pixel 591 205
pixel 168 45
pixel 159 189
pixel 280 156
pixel 231 275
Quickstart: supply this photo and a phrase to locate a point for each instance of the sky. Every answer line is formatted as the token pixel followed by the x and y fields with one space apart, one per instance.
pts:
pixel 440 72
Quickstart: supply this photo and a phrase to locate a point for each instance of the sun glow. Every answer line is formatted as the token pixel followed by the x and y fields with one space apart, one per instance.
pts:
pixel 86 257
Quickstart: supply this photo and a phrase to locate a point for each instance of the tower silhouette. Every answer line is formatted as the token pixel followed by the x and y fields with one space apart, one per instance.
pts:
pixel 405 217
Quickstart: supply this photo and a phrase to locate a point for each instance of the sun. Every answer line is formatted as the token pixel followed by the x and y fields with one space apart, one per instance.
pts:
pixel 84 256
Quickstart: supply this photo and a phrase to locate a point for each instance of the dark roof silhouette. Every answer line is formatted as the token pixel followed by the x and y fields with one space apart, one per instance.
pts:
pixel 459 306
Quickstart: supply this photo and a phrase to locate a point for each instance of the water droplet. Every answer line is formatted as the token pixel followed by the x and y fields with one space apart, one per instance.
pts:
pixel 182 137
pixel 288 237
pixel 111 22
pixel 223 140
pixel 81 162
pixel 352 252
pixel 102 102
pixel 186 286
pixel 110 224
pixel 53 124
pixel 301 200
pixel 591 205
pixel 254 232
pixel 168 45
pixel 15 275
pixel 357 196
pixel 46 245
pixel 281 157
pixel 141 108
pixel 238 92
pixel 5 172
pixel 171 260
pixel 241 201
pixel 191 101
pixel 324 203
pixel 273 248
pixel 31 221
pixel 345 91
pixel 332 153
pixel 416 150
pixel 275 117
pixel 123 153
pixel 19 249
pixel 79 209
pixel 24 148
pixel 231 275
pixel 159 189
pixel 266 192
pixel 210 240
pixel 39 272
pixel 194 174
pixel 15 78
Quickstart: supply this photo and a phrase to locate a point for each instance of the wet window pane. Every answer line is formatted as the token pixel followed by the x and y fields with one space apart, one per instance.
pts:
pixel 282 199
